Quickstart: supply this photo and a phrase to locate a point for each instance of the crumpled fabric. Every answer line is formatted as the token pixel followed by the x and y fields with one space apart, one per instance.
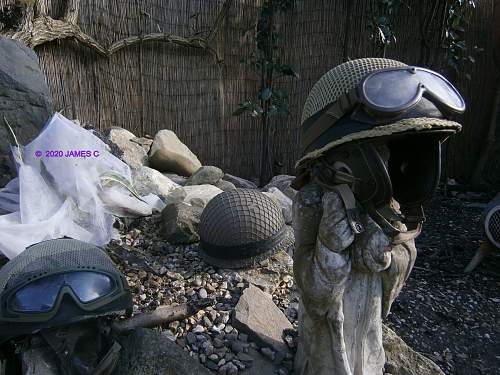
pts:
pixel 346 282
pixel 53 197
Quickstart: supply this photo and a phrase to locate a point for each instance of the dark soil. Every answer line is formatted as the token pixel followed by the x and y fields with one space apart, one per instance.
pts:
pixel 451 317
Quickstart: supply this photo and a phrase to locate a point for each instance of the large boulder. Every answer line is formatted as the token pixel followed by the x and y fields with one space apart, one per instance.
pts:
pixel 403 360
pixel 132 153
pixel 149 181
pixel 169 154
pixel 205 175
pixel 257 315
pixel 283 201
pixel 25 99
pixel 282 182
pixel 148 352
pixel 181 222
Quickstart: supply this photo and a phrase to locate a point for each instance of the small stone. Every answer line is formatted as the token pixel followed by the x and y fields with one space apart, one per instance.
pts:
pixel 282 371
pixel 245 357
pixel 243 337
pixel 238 364
pixel 198 329
pixel 142 297
pixel 213 357
pixel 222 362
pixel 268 353
pixel 211 365
pixel 202 293
pixel 197 281
pixel 218 343
pixel 236 346
pixel 228 328
pixel 191 338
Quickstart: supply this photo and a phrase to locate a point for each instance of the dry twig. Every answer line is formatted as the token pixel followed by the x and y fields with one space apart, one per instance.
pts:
pixel 40 29
pixel 163 315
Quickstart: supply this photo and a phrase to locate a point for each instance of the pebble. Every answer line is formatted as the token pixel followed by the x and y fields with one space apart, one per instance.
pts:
pixel 268 353
pixel 202 293
pixel 191 338
pixel 198 329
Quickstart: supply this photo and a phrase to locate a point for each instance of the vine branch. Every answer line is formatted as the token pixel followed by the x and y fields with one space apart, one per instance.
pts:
pixel 38 28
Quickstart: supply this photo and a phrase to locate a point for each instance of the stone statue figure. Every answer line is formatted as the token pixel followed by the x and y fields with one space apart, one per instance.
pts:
pixel 362 182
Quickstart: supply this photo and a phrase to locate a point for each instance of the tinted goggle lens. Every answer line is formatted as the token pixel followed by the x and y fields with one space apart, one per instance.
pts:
pixel 398 89
pixel 41 295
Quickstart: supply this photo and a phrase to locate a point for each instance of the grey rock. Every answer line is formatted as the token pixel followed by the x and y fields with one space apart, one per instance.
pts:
pixel 203 193
pixel 175 196
pixel 208 175
pixel 180 180
pixel 198 329
pixel 145 143
pixel 403 360
pixel 149 181
pixel 211 365
pixel 147 352
pixel 239 182
pixel 169 154
pixel 258 316
pixel 268 353
pixel 282 182
pixel 25 98
pixel 180 223
pixel 225 185
pixel 268 277
pixel 202 293
pixel 132 153
pixel 191 338
pixel 283 201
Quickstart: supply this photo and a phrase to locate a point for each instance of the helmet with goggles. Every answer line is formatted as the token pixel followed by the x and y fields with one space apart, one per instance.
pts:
pixel 362 105
pixel 58 284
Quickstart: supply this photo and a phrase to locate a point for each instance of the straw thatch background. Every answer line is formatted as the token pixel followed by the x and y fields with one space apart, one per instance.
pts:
pixel 155 85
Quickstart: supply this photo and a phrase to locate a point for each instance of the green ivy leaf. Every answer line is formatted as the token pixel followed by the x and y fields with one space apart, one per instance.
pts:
pixel 288 71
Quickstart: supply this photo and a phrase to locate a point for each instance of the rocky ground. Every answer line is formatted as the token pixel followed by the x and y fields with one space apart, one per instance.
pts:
pixel 442 313
pixel 450 317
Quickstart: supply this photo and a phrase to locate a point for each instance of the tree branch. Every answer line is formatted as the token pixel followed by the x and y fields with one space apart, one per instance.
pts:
pixel 42 29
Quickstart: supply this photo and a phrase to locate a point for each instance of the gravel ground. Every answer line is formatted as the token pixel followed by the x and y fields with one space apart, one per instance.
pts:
pixel 442 313
pixel 162 274
pixel 452 318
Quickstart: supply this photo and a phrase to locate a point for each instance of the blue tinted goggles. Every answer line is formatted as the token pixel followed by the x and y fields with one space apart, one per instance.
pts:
pixel 43 295
pixel 384 96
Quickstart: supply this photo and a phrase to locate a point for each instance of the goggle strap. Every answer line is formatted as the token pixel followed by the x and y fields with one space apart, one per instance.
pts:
pixel 335 112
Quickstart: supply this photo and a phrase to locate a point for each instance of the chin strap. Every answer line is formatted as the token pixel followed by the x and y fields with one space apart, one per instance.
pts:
pixel 385 216
pixel 388 219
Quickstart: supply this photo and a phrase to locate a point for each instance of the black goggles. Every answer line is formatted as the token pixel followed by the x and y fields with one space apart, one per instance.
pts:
pixel 386 95
pixel 40 298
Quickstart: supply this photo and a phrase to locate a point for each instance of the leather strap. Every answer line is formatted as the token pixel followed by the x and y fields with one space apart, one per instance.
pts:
pixel 333 113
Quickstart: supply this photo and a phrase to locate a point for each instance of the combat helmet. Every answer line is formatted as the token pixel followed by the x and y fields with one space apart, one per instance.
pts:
pixel 65 293
pixel 358 108
pixel 239 228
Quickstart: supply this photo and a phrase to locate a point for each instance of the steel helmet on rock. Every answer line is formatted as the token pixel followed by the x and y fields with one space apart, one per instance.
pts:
pixel 239 228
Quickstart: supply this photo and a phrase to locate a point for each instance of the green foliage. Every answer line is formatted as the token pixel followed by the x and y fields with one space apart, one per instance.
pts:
pixel 381 27
pixel 458 53
pixel 265 60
